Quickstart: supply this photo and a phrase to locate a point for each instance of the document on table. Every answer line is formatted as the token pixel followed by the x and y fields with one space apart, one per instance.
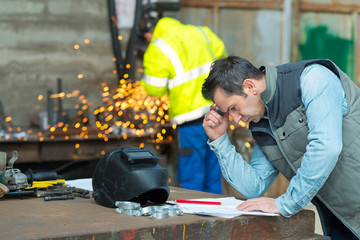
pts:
pixel 227 209
pixel 84 183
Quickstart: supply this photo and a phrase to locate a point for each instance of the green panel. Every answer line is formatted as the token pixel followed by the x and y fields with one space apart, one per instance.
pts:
pixel 321 44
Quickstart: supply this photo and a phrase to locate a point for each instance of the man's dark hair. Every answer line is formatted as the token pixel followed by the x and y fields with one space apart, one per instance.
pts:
pixel 229 74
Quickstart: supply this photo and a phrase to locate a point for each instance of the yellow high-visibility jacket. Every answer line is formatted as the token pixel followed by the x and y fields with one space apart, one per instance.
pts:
pixel 177 61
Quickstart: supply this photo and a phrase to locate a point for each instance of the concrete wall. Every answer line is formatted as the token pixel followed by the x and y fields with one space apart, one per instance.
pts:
pixel 255 35
pixel 276 32
pixel 37 39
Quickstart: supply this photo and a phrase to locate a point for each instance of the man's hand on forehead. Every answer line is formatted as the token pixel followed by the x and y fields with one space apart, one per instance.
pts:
pixel 215 108
pixel 214 123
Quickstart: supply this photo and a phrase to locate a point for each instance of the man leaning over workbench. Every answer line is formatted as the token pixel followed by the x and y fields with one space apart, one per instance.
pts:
pixel 176 62
pixel 305 119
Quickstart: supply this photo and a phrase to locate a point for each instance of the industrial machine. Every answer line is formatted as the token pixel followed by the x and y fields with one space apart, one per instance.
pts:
pixel 40 184
pixel 12 177
pixel 135 42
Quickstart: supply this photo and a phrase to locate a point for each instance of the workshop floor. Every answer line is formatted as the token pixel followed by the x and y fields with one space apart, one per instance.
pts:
pixel 318 228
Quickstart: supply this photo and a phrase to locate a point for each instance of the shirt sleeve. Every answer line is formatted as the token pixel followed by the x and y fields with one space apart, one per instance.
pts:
pixel 324 100
pixel 250 179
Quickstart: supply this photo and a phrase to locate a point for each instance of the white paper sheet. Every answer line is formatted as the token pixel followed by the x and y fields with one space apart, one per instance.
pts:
pixel 84 183
pixel 227 209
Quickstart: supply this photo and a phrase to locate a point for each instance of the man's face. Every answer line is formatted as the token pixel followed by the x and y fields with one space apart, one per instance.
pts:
pixel 148 36
pixel 246 108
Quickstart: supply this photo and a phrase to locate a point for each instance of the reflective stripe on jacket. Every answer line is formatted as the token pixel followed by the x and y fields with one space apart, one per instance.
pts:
pixel 176 62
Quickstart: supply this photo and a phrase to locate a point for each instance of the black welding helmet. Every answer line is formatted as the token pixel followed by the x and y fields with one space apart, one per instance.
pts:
pixel 129 174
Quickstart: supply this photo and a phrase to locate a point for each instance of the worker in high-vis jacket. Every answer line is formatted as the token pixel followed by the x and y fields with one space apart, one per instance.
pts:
pixel 177 61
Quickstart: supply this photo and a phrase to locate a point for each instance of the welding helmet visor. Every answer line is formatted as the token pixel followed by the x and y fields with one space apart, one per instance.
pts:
pixel 147 24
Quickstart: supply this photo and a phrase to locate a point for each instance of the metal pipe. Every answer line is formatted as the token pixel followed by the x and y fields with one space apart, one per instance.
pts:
pixel 119 63
pixel 287 31
pixel 132 46
pixel 50 108
pixel 355 16
pixel 60 107
pixel 161 7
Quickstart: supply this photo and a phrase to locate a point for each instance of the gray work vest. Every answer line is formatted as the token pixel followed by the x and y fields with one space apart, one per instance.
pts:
pixel 283 137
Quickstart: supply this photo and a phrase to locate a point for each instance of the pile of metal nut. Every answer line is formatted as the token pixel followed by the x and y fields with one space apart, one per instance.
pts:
pixel 156 212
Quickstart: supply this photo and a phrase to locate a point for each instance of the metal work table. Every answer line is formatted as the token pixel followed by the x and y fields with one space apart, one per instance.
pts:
pixel 34 218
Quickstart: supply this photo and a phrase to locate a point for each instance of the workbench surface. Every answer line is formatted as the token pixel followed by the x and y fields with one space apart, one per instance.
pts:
pixel 34 218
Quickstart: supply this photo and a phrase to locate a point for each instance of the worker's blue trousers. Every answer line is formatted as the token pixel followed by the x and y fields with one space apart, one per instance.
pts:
pixel 198 168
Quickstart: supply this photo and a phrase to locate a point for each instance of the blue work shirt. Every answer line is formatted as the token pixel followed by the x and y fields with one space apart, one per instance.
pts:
pixel 325 103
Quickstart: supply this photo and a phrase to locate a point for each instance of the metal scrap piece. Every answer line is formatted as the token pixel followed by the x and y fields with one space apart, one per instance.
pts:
pixel 155 212
pixel 159 214
pixel 127 205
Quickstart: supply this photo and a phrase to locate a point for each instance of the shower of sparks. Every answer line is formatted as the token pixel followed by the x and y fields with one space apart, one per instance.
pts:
pixel 129 111
pixel 125 111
